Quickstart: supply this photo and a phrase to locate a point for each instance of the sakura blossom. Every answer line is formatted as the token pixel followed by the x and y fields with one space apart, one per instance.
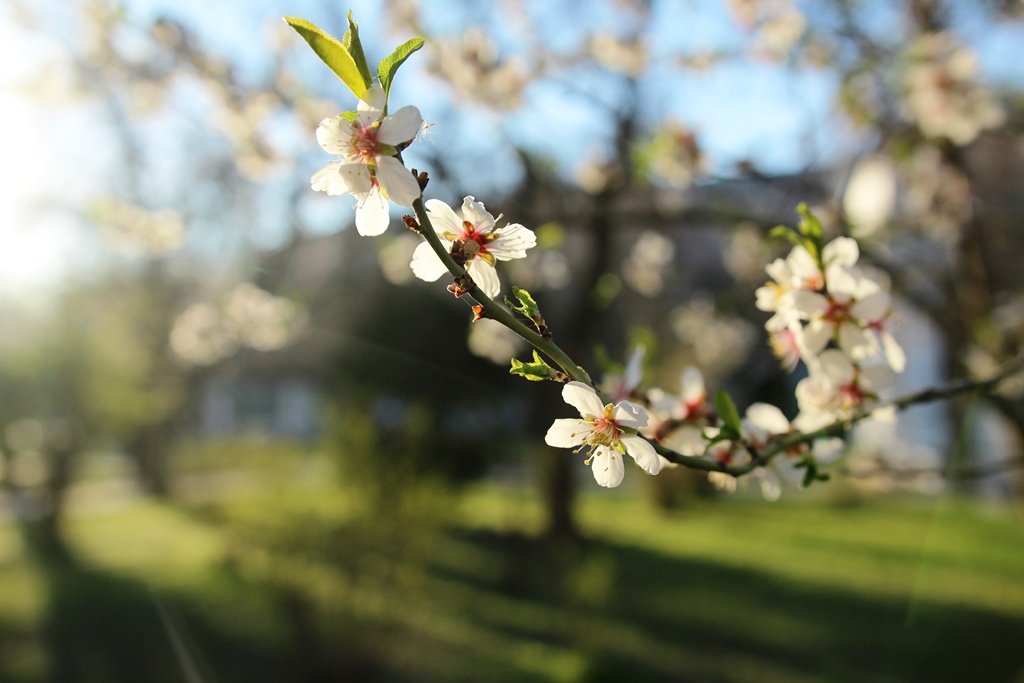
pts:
pixel 483 244
pixel 367 167
pixel 606 432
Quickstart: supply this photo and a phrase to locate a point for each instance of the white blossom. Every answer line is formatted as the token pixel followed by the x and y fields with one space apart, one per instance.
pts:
pixel 482 242
pixel 607 432
pixel 367 167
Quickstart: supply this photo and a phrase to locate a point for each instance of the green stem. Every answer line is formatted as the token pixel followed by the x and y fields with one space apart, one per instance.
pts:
pixel 492 309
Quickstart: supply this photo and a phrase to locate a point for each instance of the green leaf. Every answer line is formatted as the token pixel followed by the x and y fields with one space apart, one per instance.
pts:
pixel 786 233
pixel 537 371
pixel 727 412
pixel 355 48
pixel 349 115
pixel 389 65
pixel 332 53
pixel 811 228
pixel 527 305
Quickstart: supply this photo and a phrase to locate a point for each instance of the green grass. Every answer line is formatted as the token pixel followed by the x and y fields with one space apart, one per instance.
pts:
pixel 311 586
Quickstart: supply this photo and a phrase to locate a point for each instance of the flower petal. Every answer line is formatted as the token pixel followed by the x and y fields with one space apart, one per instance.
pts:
pixel 372 215
pixel 397 182
pixel 630 415
pixel 643 452
pixel 474 212
pixel 340 177
pixel 872 307
pixel 583 398
pixel 567 432
pixel 443 217
pixel 372 101
pixel 841 250
pixel 894 354
pixel 425 263
pixel 691 383
pixel 768 417
pixel 512 242
pixel 485 277
pixel 608 466
pixel 400 127
pixel 334 135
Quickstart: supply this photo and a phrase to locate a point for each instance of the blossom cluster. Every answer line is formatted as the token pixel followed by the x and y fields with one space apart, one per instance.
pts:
pixel 826 311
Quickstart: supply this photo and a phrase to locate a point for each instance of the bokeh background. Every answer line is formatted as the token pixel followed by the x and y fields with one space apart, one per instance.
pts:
pixel 241 443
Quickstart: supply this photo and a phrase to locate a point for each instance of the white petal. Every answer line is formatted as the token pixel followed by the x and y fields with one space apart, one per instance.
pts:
pixel 372 216
pixel 872 307
pixel 512 242
pixel 583 398
pixel 608 466
pixel 485 277
pixel 643 452
pixel 692 383
pixel 630 415
pixel 634 368
pixel 771 488
pixel 329 180
pixel 402 126
pixel 397 182
pixel 342 178
pixel 837 367
pixel 443 218
pixel 425 263
pixel 334 135
pixel 372 101
pixel 686 441
pixel 809 304
pixel 841 250
pixel 893 352
pixel 474 212
pixel 814 336
pixel 856 342
pixel 768 417
pixel 568 432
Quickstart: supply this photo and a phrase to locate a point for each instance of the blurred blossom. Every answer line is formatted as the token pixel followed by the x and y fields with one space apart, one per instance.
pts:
pixel 395 256
pixel 493 341
pixel 870 196
pixel 673 155
pixel 943 98
pixel 747 252
pixel 594 174
pixel 720 343
pixel 889 463
pixel 644 267
pixel 619 54
pixel 472 66
pixel 547 269
pixel 200 336
pixel 937 196
pixel 137 230
pixel 777 24
pixel 243 123
pixel 258 318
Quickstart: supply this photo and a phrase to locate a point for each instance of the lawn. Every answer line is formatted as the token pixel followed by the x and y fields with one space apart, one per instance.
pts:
pixel 312 586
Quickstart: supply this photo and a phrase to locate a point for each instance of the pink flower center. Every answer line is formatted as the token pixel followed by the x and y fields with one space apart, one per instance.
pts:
pixel 851 394
pixel 837 313
pixel 363 142
pixel 471 234
pixel 605 430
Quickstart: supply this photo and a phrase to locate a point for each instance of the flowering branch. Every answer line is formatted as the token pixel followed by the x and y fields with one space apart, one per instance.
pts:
pixel 491 309
pixel 827 312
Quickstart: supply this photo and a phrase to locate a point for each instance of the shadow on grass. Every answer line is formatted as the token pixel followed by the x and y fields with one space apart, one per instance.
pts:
pixel 505 607
pixel 639 615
